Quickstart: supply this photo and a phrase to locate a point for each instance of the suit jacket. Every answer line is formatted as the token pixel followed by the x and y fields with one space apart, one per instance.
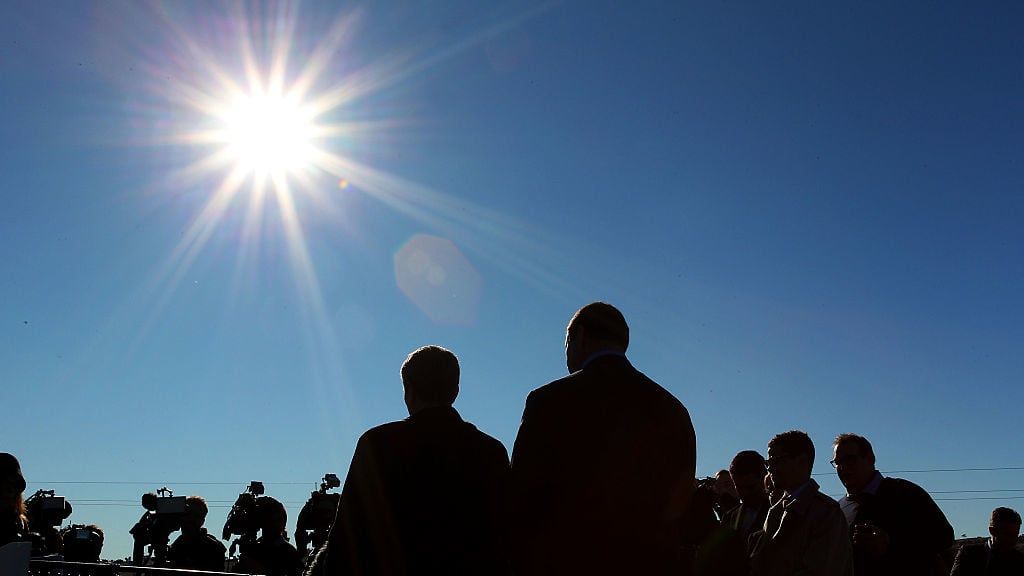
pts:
pixel 602 467
pixel 724 551
pixel 918 531
pixel 803 536
pixel 979 560
pixel 734 518
pixel 426 495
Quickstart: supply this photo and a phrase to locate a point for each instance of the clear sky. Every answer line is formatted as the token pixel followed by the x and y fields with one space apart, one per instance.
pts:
pixel 810 214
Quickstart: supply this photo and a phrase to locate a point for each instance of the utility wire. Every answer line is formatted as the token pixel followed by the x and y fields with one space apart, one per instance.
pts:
pixel 931 470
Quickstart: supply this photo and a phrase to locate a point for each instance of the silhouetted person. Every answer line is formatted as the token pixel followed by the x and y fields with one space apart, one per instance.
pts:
pixel 426 495
pixel 603 465
pixel 699 531
pixel 724 552
pixel 805 532
pixel 999 555
pixel 13 522
pixel 272 554
pixel 895 526
pixel 83 543
pixel 726 497
pixel 747 473
pixel 769 489
pixel 195 548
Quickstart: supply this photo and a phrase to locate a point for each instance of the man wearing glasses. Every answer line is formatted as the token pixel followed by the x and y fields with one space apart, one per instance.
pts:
pixel 805 532
pixel 895 526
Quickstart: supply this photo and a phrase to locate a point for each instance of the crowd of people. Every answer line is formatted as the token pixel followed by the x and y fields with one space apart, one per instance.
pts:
pixel 601 481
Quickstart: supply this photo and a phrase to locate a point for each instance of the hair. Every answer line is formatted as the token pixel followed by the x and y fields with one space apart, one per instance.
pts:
pixel 197 502
pixel 431 374
pixel 794 442
pixel 1008 515
pixel 862 444
pixel 747 461
pixel 273 514
pixel 601 321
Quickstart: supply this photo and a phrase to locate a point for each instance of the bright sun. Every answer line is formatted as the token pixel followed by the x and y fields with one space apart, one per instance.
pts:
pixel 267 133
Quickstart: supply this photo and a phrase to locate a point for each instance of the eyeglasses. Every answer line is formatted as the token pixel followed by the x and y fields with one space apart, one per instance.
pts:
pixel 843 460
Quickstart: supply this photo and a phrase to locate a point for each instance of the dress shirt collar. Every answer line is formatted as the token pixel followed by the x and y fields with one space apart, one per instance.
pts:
pixel 601 354
pixel 872 487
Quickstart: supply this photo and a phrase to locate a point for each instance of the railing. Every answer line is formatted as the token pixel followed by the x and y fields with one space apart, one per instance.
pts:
pixel 61 568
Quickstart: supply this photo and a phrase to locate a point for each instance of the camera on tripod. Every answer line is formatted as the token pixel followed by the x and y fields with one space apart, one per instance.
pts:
pixel 317 515
pixel 163 515
pixel 46 512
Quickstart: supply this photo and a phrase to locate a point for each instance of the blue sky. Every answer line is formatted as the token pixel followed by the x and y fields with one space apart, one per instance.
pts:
pixel 810 215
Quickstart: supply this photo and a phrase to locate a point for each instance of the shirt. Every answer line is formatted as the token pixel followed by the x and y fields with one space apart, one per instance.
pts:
pixel 849 502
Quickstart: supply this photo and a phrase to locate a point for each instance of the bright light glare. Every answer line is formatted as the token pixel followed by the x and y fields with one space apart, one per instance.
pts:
pixel 268 133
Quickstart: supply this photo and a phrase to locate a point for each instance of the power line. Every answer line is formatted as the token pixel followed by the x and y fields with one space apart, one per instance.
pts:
pixel 978 498
pixel 931 470
pixel 166 483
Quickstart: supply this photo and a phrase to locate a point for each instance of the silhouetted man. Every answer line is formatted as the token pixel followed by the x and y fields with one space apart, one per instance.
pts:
pixel 804 533
pixel 603 464
pixel 747 472
pixel 425 495
pixel 724 551
pixel 999 555
pixel 195 548
pixel 272 554
pixel 895 526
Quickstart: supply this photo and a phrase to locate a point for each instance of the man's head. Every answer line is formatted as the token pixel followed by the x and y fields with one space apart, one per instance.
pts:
pixel 854 460
pixel 596 327
pixel 747 472
pixel 430 377
pixel 272 514
pixel 195 514
pixel 790 459
pixel 1004 527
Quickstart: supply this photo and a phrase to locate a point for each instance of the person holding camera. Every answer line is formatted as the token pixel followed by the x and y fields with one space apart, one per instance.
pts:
pixel 272 554
pixel 195 548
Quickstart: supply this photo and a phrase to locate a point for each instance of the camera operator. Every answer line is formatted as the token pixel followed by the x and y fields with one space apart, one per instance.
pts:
pixel 13 522
pixel 82 543
pixel 195 548
pixel 271 554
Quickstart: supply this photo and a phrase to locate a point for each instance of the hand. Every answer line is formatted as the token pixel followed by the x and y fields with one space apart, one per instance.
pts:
pixel 870 539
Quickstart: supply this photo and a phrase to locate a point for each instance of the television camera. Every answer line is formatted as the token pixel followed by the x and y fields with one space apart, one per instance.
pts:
pixel 317 515
pixel 163 515
pixel 244 519
pixel 46 512
pixel 82 543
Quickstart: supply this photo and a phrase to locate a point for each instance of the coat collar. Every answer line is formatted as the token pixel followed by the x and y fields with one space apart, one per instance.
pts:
pixel 436 414
pixel 802 500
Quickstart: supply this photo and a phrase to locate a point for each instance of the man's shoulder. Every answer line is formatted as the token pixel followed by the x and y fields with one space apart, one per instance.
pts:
pixel 899 489
pixel 385 431
pixel 617 378
pixel 212 542
pixel 485 441
pixel 890 483
pixel 817 504
pixel 971 550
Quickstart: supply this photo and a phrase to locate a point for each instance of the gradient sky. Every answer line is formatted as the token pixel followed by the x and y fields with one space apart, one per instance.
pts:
pixel 810 214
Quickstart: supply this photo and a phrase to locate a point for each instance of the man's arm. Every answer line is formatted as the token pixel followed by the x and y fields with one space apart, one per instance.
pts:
pixel 528 494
